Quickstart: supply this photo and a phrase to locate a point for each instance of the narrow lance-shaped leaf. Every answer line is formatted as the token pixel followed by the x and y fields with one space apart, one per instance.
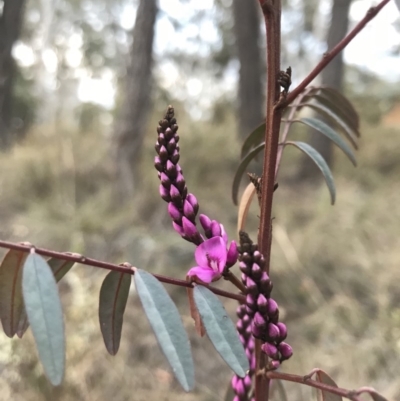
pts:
pixel 113 297
pixel 221 330
pixel 167 325
pixel 329 114
pixel 59 268
pixel 321 164
pixel 323 377
pixel 326 130
pixel 43 307
pixel 11 301
pixel 253 139
pixel 241 169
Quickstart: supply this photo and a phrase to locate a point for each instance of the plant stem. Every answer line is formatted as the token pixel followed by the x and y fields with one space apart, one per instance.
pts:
pixel 122 268
pixel 350 394
pixel 272 16
pixel 327 57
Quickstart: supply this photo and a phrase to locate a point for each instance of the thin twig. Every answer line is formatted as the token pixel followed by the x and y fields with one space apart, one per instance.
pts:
pixel 229 276
pixel 328 57
pixel 350 394
pixel 123 268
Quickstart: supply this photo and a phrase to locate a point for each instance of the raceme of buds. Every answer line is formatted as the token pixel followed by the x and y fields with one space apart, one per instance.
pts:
pixel 259 306
pixel 183 207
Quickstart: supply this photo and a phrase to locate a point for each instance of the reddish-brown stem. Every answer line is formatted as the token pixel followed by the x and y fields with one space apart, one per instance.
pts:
pixel 123 268
pixel 272 16
pixel 350 394
pixel 327 58
pixel 229 276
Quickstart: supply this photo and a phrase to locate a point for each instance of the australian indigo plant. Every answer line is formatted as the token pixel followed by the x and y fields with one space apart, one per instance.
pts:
pixel 256 348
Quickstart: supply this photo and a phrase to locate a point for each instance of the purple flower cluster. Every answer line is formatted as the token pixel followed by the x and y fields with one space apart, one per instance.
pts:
pixel 213 255
pixel 260 307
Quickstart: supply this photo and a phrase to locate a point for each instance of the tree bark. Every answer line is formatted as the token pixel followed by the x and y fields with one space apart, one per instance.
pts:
pixel 131 126
pixel 332 76
pixel 10 28
pixel 247 26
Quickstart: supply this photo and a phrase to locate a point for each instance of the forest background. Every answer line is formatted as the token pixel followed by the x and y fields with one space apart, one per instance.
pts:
pixel 83 85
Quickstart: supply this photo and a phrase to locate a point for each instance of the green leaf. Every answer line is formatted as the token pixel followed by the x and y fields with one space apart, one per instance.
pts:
pixel 253 139
pixel 326 130
pixel 221 330
pixel 11 301
pixel 113 297
pixel 43 307
pixel 240 170
pixel 341 100
pixel 320 162
pixel 331 116
pixel 167 325
pixel 60 267
pixel 339 105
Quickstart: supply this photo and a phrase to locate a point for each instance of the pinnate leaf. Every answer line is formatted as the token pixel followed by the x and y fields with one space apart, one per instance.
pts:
pixel 43 307
pixel 241 169
pixel 167 326
pixel 113 298
pixel 221 330
pixel 326 130
pixel 321 164
pixel 11 300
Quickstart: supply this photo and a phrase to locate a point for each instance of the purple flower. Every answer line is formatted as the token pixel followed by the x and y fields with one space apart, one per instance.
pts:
pixel 211 259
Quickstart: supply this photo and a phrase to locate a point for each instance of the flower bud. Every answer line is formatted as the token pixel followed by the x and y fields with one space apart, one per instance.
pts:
pixel 244 268
pixel 164 193
pixel 193 201
pixel 262 303
pixel 251 286
pixel 259 321
pixel 270 350
pixel 174 213
pixel 246 320
pixel 171 145
pixel 205 222
pixel 256 271
pixel 178 228
pixel 240 311
pixel 246 258
pixel 163 154
pixel 170 168
pixel 285 350
pixel 273 365
pixel 169 134
pixel 232 254
pixel 234 381
pixel 257 256
pixel 256 331
pixel 165 181
pixel 157 147
pixel 189 228
pixel 158 164
pixel 282 331
pixel 175 157
pixel 188 211
pixel 239 326
pixel 247 382
pixel 175 195
pixel 272 307
pixel 215 229
pixel 250 302
pixel 179 182
pixel 161 139
pixel 240 389
pixel 273 332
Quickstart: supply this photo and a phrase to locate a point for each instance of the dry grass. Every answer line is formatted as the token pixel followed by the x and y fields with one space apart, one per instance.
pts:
pixel 335 269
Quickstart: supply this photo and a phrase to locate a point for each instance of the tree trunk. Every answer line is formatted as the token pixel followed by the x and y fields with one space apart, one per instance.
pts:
pixel 10 28
pixel 131 126
pixel 332 76
pixel 247 28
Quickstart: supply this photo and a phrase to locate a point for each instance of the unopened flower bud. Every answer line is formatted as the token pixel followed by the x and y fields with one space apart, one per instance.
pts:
pixel 175 157
pixel 163 154
pixel 164 193
pixel 246 258
pixel 270 350
pixel 175 195
pixel 256 331
pixel 178 228
pixel 285 350
pixel 282 331
pixel 193 201
pixel 239 326
pixel 240 389
pixel 189 228
pixel 241 311
pixel 247 382
pixel 161 139
pixel 157 147
pixel 273 365
pixel 246 320
pixel 259 321
pixel 174 213
pixel 158 164
pixel 169 134
pixel 179 182
pixel 244 268
pixel 256 271
pixel 262 303
pixel 250 302
pixel 171 145
pixel 273 332
pixel 234 381
pixel 251 286
pixel 232 254
pixel 272 307
pixel 215 229
pixel 188 211
pixel 205 222
pixel 170 168
pixel 165 180
pixel 257 256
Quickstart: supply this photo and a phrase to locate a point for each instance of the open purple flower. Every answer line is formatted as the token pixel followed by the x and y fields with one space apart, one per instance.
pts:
pixel 211 256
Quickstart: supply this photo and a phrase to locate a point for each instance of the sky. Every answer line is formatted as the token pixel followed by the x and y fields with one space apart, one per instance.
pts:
pixel 370 50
